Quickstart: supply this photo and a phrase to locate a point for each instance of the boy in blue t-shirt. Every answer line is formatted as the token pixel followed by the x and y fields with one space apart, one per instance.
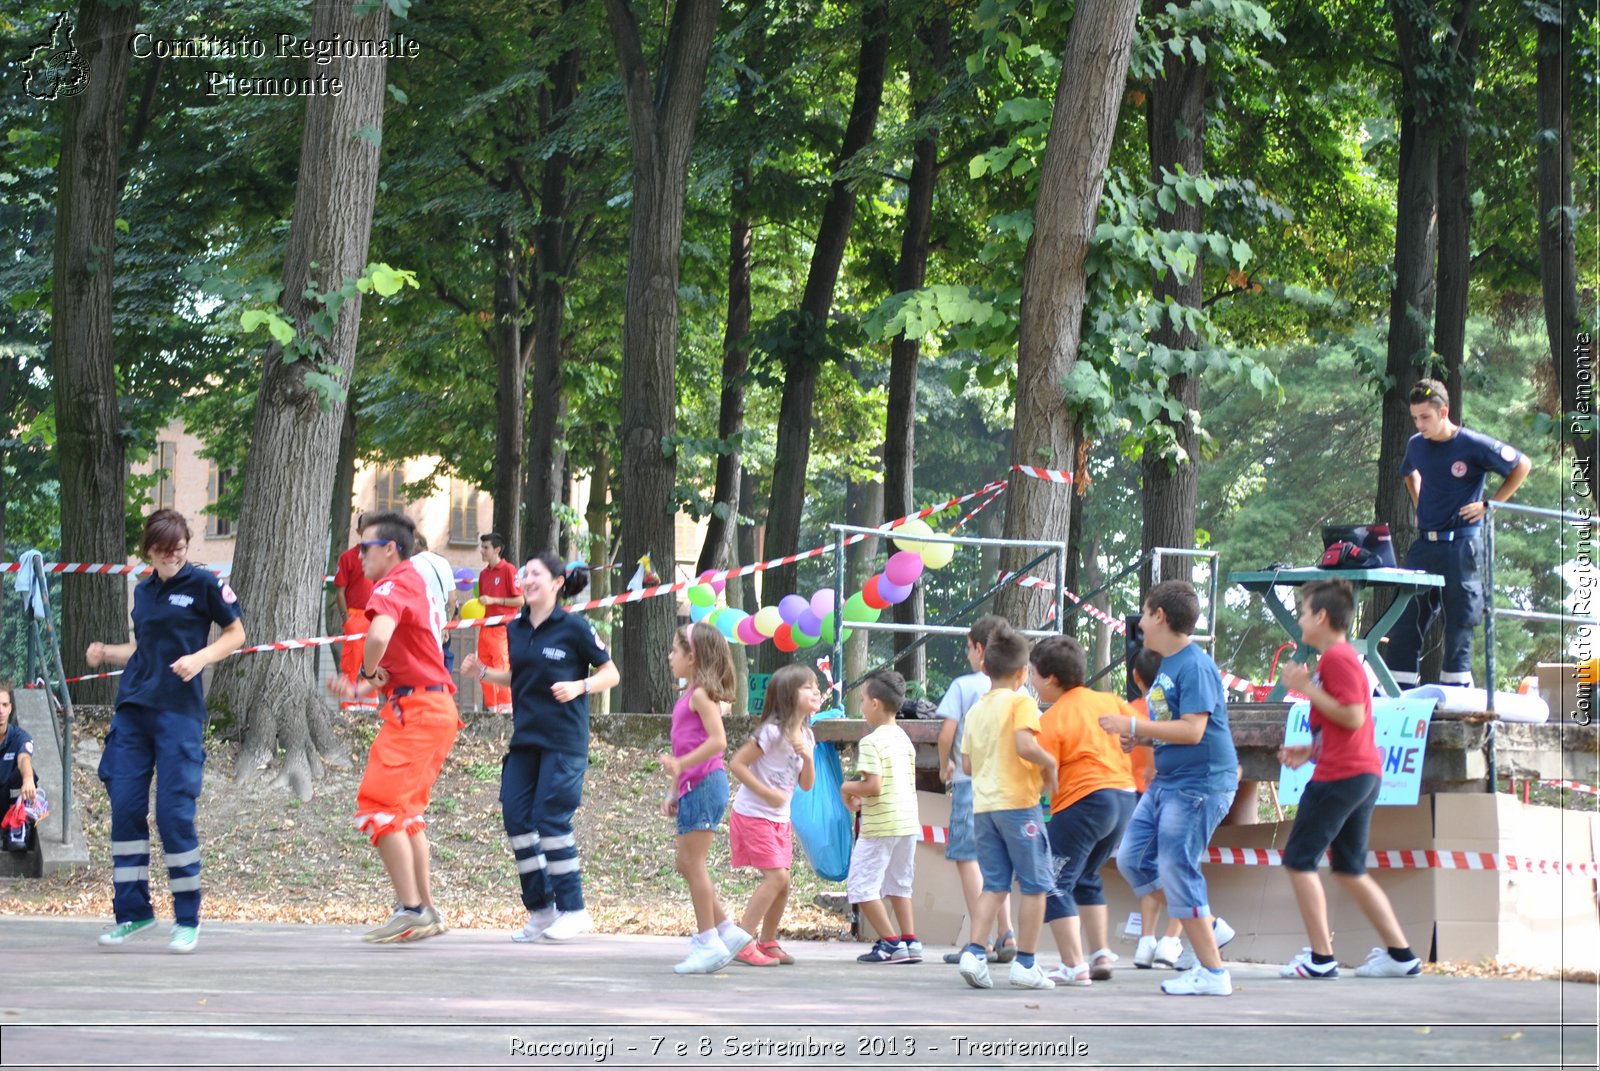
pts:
pixel 1197 773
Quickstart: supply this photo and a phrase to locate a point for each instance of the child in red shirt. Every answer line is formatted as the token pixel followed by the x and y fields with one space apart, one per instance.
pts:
pixel 1336 810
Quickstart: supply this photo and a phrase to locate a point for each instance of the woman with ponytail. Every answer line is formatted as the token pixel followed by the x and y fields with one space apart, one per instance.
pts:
pixel 557 662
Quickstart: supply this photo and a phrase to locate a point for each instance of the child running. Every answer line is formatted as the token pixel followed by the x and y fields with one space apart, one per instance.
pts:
pixel 700 656
pixel 1165 950
pixel 768 767
pixel 883 861
pixel 1336 810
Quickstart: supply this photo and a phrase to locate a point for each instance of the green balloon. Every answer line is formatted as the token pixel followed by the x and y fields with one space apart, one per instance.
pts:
pixel 802 640
pixel 856 609
pixel 702 595
pixel 827 629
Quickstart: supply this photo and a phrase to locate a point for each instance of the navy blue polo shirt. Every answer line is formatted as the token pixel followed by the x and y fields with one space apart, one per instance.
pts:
pixel 171 619
pixel 1453 474
pixel 16 742
pixel 1188 683
pixel 563 648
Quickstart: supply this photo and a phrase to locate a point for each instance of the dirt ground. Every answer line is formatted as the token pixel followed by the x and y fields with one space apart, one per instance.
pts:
pixel 271 858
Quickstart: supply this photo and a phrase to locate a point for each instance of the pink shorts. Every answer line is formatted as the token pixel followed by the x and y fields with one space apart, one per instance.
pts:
pixel 760 842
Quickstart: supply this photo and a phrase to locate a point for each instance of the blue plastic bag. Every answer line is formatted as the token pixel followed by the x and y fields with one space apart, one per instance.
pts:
pixel 821 821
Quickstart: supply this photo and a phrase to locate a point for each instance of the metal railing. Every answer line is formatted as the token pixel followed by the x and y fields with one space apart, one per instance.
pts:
pixel 44 658
pixel 1208 639
pixel 1492 611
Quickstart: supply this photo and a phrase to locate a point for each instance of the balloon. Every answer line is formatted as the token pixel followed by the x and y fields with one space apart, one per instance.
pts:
pixel 800 639
pixel 809 623
pixel 892 593
pixel 702 595
pixel 767 620
pixel 465 578
pixel 903 568
pixel 822 602
pixel 698 612
pixel 728 621
pixel 905 536
pixel 826 631
pixel 471 610
pixel 871 595
pixel 715 585
pixel 747 632
pixel 783 639
pixel 857 610
pixel 790 607
pixel 937 555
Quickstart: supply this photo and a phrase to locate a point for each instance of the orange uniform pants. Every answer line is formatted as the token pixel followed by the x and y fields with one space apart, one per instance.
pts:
pixel 494 652
pixel 417 734
pixel 355 623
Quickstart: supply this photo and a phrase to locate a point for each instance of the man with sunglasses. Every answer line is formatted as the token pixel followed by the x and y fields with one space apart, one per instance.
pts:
pixel 403 661
pixel 1445 467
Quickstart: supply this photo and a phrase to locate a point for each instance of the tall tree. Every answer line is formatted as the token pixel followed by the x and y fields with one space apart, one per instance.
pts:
pixel 1455 216
pixel 89 443
pixel 661 122
pixel 791 462
pixel 1082 124
pixel 300 411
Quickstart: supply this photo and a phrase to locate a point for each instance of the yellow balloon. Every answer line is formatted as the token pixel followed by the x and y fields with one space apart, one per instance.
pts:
pixel 905 536
pixel 471 610
pixel 937 555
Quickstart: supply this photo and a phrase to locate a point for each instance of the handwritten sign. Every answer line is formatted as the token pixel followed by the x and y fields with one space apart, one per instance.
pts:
pixel 758 693
pixel 1401 727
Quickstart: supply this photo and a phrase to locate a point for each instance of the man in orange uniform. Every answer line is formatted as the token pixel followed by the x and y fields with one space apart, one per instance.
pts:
pixel 501 594
pixel 351 588
pixel 403 661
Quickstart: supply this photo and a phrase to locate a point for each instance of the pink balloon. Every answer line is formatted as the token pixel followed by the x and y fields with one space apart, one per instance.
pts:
pixel 893 593
pixel 822 602
pixel 747 632
pixel 903 568
pixel 716 585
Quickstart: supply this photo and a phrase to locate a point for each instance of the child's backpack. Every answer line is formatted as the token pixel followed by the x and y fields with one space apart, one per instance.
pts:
pixel 820 819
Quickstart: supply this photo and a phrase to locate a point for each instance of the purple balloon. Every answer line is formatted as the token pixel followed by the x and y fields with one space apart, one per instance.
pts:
pixel 790 607
pixel 465 578
pixel 892 593
pixel 809 623
pixel 903 568
pixel 822 603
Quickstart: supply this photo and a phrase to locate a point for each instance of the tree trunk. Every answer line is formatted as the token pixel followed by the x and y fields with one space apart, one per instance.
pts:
pixel 792 457
pixel 1177 124
pixel 661 121
pixel 748 552
pixel 89 444
pixel 598 518
pixel 341 511
pixel 551 262
pixel 511 375
pixel 294 441
pixel 1455 219
pixel 864 507
pixel 1053 280
pixel 1558 274
pixel 899 436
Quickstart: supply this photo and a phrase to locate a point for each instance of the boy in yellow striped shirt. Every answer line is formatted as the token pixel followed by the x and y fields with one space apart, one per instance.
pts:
pixel 883 862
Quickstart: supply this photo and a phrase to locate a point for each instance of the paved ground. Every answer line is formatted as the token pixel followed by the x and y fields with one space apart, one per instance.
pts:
pixel 271 995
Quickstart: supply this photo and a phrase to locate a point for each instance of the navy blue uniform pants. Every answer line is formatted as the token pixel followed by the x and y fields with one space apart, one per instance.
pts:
pixel 170 746
pixel 539 792
pixel 1461 600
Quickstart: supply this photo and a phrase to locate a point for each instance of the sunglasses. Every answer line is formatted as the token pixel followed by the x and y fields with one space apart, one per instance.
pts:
pixel 367 544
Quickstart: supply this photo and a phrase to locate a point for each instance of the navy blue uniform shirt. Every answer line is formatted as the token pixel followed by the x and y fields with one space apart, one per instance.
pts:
pixel 171 619
pixel 563 648
pixel 16 742
pixel 1453 474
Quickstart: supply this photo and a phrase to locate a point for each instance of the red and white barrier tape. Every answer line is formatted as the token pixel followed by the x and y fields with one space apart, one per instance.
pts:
pixel 1052 475
pixel 985 504
pixel 104 569
pixel 1574 786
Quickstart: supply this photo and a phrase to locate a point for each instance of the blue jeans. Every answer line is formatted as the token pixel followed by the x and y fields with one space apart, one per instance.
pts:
pixel 962 844
pixel 1165 841
pixel 1013 842
pixel 539 792
pixel 1461 599
pixel 1082 837
pixel 701 808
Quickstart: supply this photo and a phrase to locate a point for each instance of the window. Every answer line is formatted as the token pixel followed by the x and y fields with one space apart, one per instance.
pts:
pixel 218 482
pixel 463 513
pixel 166 475
pixel 388 494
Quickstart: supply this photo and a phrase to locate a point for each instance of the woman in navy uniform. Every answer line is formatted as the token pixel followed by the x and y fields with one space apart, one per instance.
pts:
pixel 541 777
pixel 159 727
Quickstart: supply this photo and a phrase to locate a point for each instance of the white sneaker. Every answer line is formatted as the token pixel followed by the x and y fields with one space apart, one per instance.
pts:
pixel 1168 949
pixel 707 958
pixel 1144 955
pixel 1065 975
pixel 735 939
pixel 1187 961
pixel 1199 982
pixel 1030 977
pixel 1302 966
pixel 975 971
pixel 569 924
pixel 1382 965
pixel 538 922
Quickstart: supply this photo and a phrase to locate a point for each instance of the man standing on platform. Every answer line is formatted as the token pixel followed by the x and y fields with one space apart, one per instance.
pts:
pixel 501 594
pixel 1445 467
pixel 351 589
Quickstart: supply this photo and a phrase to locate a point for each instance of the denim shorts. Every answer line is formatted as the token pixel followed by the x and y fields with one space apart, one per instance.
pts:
pixel 1082 837
pixel 961 846
pixel 701 808
pixel 1336 815
pixel 1013 843
pixel 1165 840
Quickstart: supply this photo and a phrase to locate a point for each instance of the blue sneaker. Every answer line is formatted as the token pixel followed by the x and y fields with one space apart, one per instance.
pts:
pixel 884 952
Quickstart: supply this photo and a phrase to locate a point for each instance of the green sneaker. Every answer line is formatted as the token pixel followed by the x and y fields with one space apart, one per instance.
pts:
pixel 126 931
pixel 185 939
